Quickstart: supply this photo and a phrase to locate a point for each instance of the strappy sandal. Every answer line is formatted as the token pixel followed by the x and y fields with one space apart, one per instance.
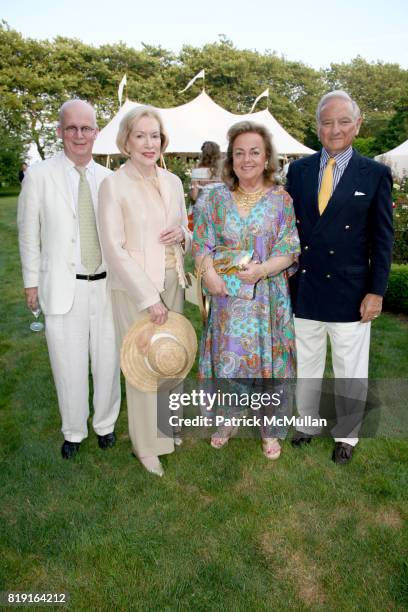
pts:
pixel 221 437
pixel 271 448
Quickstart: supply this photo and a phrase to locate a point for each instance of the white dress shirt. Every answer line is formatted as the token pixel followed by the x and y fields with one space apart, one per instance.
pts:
pixel 73 181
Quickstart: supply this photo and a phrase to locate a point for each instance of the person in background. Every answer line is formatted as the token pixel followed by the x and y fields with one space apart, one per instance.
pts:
pixel 208 168
pixel 64 271
pixel 248 338
pixel 343 208
pixel 144 236
pixel 22 171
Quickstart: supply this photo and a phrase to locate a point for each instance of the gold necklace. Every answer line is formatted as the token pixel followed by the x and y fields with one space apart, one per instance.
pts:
pixel 247 200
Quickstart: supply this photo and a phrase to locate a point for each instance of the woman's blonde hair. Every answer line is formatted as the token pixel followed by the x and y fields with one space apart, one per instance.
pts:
pixel 246 127
pixel 128 122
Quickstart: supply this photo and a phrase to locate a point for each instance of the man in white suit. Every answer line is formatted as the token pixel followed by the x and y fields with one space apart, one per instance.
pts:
pixel 64 271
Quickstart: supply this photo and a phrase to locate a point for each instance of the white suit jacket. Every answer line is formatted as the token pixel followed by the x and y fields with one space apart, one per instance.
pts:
pixel 47 223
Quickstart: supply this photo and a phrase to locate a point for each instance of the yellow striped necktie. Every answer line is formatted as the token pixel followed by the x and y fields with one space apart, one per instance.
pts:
pixel 326 188
pixel 91 256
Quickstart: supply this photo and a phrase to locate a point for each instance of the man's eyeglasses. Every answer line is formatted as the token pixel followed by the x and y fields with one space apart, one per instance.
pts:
pixel 85 130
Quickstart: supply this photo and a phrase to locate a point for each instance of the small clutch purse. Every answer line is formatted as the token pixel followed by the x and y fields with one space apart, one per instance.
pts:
pixel 227 262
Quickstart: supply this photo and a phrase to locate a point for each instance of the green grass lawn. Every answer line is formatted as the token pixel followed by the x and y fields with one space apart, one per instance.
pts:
pixel 223 530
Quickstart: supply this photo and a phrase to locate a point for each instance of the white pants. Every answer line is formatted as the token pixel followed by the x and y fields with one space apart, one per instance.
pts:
pixel 86 331
pixel 350 346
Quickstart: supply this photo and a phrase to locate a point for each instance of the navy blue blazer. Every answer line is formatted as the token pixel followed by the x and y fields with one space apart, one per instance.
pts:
pixel 346 251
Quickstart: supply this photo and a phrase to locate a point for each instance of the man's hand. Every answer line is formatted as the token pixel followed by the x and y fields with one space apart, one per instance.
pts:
pixel 31 294
pixel 371 307
pixel 158 313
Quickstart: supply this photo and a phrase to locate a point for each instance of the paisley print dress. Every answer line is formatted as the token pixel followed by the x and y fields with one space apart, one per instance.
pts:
pixel 248 338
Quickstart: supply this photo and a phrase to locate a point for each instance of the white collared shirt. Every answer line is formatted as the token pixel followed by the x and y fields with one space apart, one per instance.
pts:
pixel 342 160
pixel 73 181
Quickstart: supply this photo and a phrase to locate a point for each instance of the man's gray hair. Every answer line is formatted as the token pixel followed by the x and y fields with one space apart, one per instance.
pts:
pixel 337 93
pixel 69 103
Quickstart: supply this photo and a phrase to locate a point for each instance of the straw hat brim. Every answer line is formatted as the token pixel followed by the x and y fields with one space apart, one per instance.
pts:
pixel 132 361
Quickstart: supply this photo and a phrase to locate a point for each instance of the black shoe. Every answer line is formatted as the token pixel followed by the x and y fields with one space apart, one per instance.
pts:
pixel 300 439
pixel 69 449
pixel 342 452
pixel 107 441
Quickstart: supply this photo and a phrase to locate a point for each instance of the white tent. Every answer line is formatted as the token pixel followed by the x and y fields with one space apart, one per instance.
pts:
pixel 396 159
pixel 189 125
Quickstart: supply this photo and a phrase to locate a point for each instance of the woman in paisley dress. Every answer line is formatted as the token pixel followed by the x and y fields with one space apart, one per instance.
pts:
pixel 243 338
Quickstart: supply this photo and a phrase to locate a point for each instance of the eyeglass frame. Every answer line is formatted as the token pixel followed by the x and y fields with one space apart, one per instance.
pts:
pixel 85 130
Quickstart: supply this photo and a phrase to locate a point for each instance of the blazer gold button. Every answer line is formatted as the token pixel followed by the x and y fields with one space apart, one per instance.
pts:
pixel 346 227
pixel 306 248
pixel 303 271
pixel 331 252
pixel 328 275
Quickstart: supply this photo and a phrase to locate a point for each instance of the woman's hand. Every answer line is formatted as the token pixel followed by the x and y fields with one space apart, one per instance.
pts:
pixel 158 313
pixel 214 283
pixel 194 190
pixel 171 235
pixel 252 274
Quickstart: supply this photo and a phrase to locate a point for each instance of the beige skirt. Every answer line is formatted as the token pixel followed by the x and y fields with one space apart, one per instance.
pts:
pixel 142 407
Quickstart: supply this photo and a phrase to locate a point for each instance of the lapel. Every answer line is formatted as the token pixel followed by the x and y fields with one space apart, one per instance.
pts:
pixel 309 182
pixel 164 188
pixel 343 194
pixel 60 179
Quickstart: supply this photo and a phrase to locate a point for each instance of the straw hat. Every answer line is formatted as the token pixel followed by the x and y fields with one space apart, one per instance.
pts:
pixel 152 353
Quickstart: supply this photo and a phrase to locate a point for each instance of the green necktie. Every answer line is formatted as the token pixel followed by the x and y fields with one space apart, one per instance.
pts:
pixel 91 255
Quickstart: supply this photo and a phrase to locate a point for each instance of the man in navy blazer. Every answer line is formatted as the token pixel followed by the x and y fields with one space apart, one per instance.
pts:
pixel 344 264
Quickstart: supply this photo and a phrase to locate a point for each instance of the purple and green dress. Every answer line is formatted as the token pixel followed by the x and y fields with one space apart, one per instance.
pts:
pixel 248 338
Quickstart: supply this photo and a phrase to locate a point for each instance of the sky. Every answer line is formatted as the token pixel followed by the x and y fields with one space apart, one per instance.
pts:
pixel 316 33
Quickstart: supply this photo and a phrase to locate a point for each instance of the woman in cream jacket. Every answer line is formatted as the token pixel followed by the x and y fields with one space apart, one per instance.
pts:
pixel 144 236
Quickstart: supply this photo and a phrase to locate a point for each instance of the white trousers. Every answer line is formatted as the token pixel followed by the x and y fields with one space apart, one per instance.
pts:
pixel 85 332
pixel 350 346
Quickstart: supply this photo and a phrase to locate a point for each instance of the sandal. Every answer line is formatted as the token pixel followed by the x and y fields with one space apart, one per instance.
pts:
pixel 221 437
pixel 271 448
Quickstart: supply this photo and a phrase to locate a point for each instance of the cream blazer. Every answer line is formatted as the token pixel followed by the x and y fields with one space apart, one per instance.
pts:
pixel 131 217
pixel 48 226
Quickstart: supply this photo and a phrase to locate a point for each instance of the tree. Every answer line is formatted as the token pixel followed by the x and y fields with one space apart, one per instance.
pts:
pixel 12 154
pixel 36 77
pixel 375 86
pixel 396 131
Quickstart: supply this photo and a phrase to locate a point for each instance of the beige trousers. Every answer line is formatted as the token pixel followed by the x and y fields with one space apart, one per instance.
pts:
pixel 141 406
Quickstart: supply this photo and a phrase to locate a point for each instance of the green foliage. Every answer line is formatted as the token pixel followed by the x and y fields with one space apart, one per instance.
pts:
pixel 366 146
pixel 396 131
pixel 11 157
pixel 375 86
pixel 182 167
pixel 37 76
pixel 396 298
pixel 400 198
